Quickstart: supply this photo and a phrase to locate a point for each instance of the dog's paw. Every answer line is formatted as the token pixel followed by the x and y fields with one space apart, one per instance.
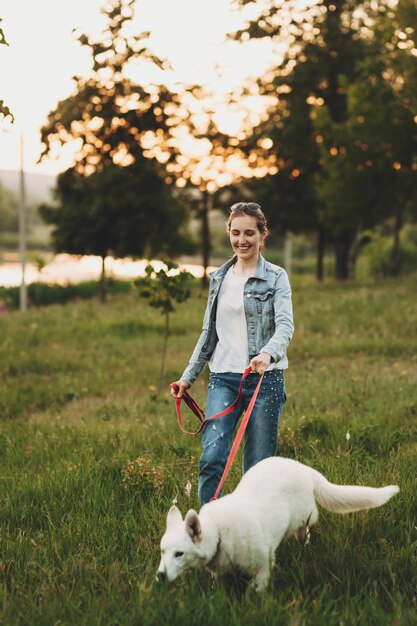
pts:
pixel 302 535
pixel 260 582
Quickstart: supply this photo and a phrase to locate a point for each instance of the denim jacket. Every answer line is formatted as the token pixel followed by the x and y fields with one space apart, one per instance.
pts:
pixel 268 311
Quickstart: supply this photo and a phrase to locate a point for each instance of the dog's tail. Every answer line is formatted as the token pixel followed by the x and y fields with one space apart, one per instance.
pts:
pixel 349 498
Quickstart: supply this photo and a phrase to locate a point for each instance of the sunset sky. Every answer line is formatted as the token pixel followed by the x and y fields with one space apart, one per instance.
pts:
pixel 43 55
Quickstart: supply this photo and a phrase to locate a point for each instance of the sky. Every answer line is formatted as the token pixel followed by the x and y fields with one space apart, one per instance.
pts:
pixel 43 55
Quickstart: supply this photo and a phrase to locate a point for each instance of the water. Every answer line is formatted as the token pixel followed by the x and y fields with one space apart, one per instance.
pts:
pixel 65 268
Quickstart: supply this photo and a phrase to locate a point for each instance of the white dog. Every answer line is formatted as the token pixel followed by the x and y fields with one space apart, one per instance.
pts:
pixel 274 500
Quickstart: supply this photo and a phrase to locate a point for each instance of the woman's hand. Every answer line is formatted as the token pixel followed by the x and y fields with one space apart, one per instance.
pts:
pixel 182 386
pixel 260 362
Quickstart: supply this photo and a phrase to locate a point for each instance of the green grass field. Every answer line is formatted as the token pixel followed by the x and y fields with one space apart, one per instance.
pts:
pixel 91 458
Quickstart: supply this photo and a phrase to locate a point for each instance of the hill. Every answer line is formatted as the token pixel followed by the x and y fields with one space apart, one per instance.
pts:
pixel 38 186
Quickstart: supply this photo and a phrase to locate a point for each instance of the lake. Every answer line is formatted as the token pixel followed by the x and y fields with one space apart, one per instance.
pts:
pixel 66 268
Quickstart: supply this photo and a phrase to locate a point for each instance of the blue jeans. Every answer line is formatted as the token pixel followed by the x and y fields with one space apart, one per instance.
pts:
pixel 261 432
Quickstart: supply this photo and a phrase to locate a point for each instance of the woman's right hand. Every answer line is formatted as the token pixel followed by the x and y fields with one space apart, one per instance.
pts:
pixel 182 385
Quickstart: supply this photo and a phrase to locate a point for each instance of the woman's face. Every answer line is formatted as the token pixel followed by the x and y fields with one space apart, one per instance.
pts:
pixel 245 238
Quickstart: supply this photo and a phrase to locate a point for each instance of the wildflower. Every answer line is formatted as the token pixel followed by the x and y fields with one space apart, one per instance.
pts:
pixel 347 436
pixel 141 472
pixel 188 489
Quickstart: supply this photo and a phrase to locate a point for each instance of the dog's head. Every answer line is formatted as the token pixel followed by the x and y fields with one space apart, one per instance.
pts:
pixel 180 544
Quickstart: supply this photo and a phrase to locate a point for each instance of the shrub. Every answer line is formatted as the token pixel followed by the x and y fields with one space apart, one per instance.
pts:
pixel 42 294
pixel 378 252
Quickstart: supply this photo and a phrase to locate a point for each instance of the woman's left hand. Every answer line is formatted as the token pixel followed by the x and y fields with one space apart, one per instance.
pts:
pixel 260 362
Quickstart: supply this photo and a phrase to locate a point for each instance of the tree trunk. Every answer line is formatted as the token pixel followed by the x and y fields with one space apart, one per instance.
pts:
pixel 205 235
pixel 395 262
pixel 355 248
pixel 102 288
pixel 341 249
pixel 321 244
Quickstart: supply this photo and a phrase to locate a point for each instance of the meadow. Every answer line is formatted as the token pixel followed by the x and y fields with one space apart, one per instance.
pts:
pixel 91 459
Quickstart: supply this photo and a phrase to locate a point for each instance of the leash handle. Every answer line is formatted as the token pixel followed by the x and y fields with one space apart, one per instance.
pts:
pixel 192 404
pixel 199 413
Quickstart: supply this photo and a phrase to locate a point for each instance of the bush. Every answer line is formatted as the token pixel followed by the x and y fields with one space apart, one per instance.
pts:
pixel 42 294
pixel 378 252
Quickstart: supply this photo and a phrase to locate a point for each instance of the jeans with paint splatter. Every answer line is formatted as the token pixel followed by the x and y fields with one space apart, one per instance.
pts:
pixel 261 433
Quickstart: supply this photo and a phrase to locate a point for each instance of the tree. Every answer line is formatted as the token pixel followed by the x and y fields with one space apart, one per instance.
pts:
pixel 369 160
pixel 114 199
pixel 324 45
pixel 9 211
pixel 368 164
pixel 397 31
pixel 207 160
pixel 335 65
pixel 4 110
pixel 396 37
pixel 163 288
pixel 109 114
pixel 123 211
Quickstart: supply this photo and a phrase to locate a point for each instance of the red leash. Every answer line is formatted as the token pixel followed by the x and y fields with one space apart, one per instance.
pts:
pixel 199 413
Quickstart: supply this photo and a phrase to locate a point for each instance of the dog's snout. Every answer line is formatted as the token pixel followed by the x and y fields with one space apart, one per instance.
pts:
pixel 161 576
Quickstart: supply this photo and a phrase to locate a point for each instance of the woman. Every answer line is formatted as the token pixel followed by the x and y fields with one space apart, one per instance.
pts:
pixel 248 321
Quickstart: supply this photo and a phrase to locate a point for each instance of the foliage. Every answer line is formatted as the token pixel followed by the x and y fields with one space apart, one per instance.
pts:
pixel 367 160
pixel 342 126
pixel 114 199
pixel 163 288
pixel 120 210
pixel 400 35
pixel 43 294
pixel 321 52
pixel 110 113
pixel 9 211
pixel 4 110
pixel 378 251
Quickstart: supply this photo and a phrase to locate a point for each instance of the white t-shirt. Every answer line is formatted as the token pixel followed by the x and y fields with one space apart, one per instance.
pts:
pixel 231 352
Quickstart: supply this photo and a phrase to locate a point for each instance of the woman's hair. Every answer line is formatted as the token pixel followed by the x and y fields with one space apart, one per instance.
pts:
pixel 253 210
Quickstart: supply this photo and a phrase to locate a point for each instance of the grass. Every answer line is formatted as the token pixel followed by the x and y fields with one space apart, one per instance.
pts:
pixel 91 458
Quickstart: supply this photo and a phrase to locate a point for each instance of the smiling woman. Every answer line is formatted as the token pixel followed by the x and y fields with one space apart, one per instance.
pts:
pixel 248 320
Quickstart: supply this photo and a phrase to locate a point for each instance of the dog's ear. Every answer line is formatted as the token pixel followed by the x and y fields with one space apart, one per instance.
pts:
pixel 174 516
pixel 193 526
